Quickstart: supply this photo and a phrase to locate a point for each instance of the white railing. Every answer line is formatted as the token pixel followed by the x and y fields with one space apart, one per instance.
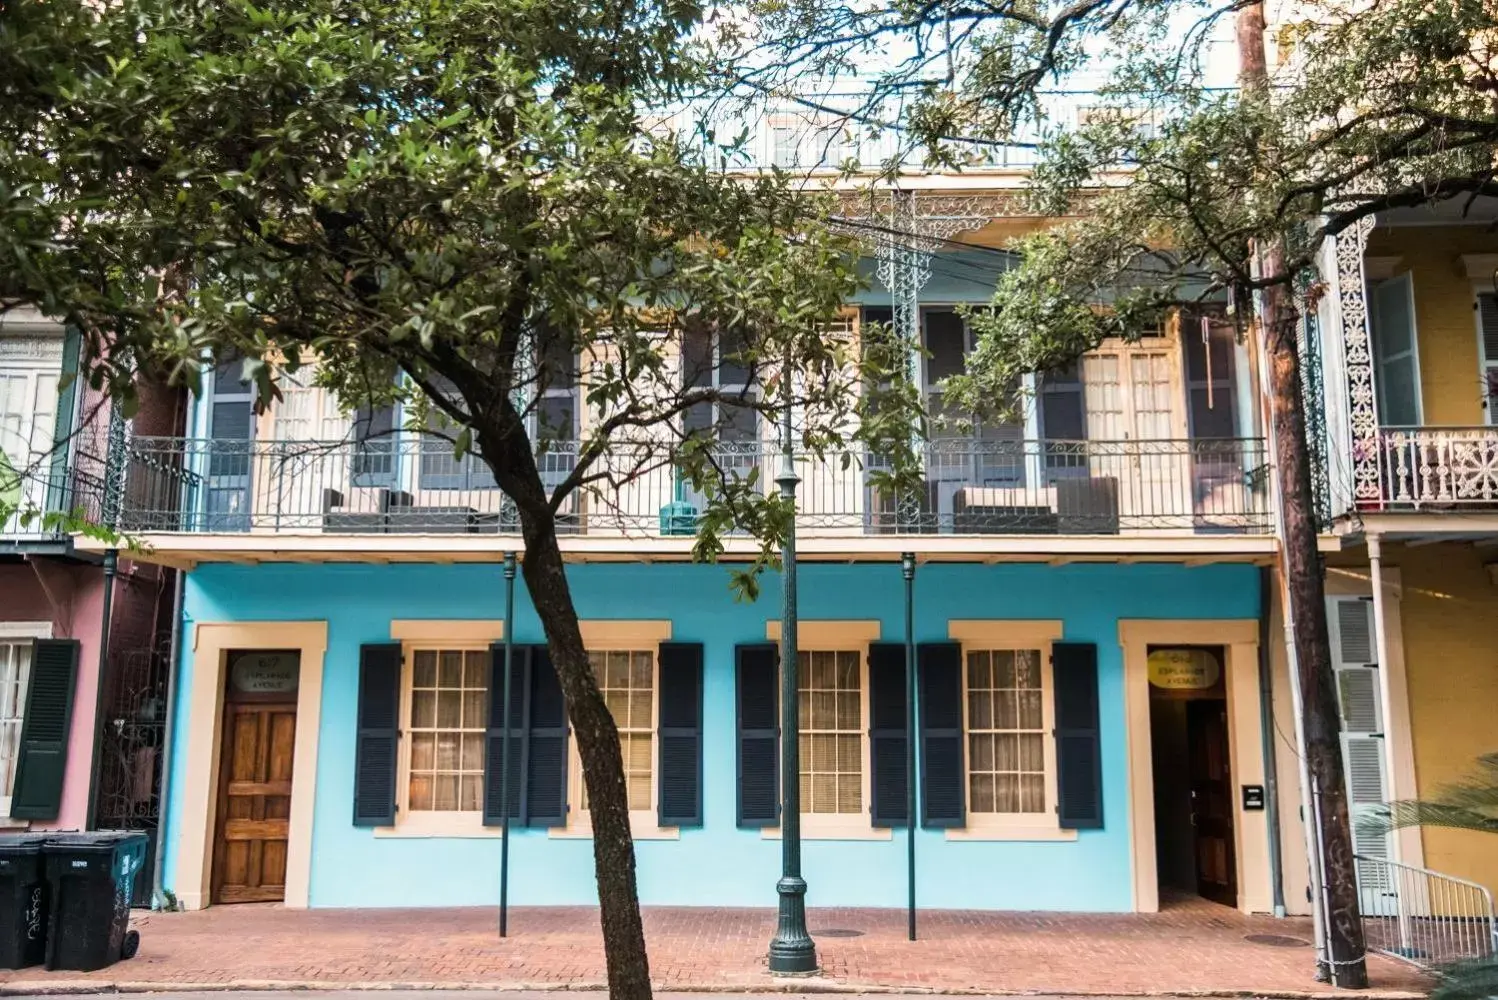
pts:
pixel 1424 917
pixel 1453 467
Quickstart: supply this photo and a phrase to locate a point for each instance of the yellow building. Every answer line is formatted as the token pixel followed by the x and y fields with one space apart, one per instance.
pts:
pixel 1409 343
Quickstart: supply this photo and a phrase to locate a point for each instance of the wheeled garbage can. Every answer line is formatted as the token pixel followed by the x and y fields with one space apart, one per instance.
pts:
pixel 92 877
pixel 23 901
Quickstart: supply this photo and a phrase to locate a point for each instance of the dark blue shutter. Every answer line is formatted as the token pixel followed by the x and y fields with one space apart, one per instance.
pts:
pixel 679 797
pixel 42 755
pixel 758 734
pixel 887 735
pixel 545 744
pixel 942 778
pixel 494 736
pixel 1079 760
pixel 379 734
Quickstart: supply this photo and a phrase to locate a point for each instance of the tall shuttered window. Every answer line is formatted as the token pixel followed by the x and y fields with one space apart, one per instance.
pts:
pixel 15 669
pixel 1006 732
pixel 627 679
pixel 1487 328
pixel 830 691
pixel 448 717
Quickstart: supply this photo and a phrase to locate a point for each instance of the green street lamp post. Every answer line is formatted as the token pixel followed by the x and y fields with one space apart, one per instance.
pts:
pixel 792 950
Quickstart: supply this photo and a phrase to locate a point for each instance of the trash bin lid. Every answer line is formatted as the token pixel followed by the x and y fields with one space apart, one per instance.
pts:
pixel 100 839
pixel 22 843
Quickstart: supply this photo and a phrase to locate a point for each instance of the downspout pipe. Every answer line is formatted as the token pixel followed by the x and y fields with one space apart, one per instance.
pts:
pixel 111 567
pixel 1266 737
pixel 159 900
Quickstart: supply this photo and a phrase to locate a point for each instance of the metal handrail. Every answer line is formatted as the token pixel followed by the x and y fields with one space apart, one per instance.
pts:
pixel 1424 917
pixel 409 484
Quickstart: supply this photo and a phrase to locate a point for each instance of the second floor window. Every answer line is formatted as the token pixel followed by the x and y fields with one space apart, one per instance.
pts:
pixel 721 363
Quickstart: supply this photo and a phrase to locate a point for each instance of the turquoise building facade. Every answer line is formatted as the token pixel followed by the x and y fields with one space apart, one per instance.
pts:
pixel 717 862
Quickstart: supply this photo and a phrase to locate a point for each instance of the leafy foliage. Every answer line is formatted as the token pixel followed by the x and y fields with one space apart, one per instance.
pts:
pixel 458 203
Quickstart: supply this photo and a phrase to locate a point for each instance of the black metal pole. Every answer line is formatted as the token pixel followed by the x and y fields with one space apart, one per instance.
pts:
pixel 907 570
pixel 111 562
pixel 791 949
pixel 504 777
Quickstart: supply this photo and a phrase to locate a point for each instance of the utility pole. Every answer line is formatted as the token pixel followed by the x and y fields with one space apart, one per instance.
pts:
pixel 1301 565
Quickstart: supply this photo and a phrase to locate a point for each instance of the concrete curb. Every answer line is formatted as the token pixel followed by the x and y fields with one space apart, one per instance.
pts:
pixel 92 987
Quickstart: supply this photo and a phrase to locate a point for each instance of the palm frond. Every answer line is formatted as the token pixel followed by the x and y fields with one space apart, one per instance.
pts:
pixel 1468 804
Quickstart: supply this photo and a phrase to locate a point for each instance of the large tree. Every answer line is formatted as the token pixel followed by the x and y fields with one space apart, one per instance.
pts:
pixel 458 203
pixel 1189 190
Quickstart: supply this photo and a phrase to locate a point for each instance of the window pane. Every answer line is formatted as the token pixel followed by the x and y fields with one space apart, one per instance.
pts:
pixel 448 716
pixel 696 357
pixel 424 669
pixel 450 670
pixel 1006 735
pixel 831 731
pixel 625 679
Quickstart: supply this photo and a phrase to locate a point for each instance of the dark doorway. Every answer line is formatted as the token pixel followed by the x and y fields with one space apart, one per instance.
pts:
pixel 1193 781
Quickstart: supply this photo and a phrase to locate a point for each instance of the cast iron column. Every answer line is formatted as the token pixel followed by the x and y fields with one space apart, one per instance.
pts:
pixel 907 570
pixel 791 949
pixel 504 776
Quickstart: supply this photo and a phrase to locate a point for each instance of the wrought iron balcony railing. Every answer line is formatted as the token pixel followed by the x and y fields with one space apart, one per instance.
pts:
pixel 1438 468
pixel 395 486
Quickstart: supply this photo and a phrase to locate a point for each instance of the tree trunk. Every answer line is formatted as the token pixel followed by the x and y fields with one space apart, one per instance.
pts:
pixel 603 764
pixel 1302 567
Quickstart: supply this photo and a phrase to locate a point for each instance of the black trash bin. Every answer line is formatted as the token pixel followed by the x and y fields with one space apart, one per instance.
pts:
pixel 23 901
pixel 92 878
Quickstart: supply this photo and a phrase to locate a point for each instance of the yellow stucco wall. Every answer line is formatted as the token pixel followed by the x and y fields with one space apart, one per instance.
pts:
pixel 1450 383
pixel 1450 622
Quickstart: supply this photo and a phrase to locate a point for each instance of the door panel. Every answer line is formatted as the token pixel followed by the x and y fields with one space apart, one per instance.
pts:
pixel 254 806
pixel 1212 800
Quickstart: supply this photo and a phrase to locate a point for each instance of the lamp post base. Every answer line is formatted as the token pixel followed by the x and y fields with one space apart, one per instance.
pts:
pixel 792 951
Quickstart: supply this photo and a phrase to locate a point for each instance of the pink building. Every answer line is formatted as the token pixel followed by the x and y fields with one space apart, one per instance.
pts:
pixel 62 765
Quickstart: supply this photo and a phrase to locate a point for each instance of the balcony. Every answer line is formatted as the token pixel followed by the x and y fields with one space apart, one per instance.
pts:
pixel 1433 469
pixel 416 487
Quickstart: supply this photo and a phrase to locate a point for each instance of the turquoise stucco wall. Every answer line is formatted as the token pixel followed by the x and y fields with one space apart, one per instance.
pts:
pixel 717 864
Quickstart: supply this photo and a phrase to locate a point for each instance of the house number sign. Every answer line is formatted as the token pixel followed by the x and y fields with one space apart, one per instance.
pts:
pixel 1183 669
pixel 264 673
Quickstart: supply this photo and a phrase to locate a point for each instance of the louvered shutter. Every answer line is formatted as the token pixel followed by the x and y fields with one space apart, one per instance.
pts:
pixel 1487 322
pixel 545 751
pixel 943 803
pixel 495 744
pixel 42 756
pixel 1396 353
pixel 1079 758
pixel 679 796
pixel 887 734
pixel 757 673
pixel 379 734
pixel 1354 661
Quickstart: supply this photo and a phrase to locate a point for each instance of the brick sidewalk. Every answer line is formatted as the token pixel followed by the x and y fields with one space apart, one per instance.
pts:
pixel 1189 947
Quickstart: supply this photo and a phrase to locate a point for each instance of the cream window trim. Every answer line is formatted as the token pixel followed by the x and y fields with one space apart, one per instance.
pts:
pixel 468 825
pixel 599 634
pixel 449 633
pixel 976 635
pixel 845 827
pixel 25 630
pixel 830 634
pixel 642 826
pixel 1017 832
pixel 1002 634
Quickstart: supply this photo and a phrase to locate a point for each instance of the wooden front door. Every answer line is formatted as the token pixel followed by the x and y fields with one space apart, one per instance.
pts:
pixel 254 801
pixel 1212 800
